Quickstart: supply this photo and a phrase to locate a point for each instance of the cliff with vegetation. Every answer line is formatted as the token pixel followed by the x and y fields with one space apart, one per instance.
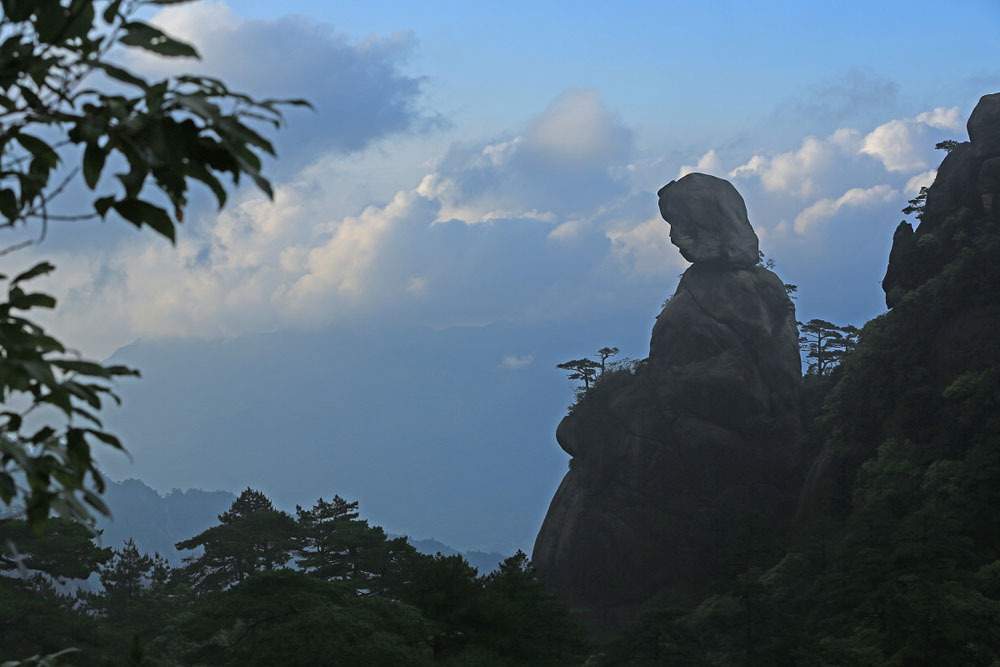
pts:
pixel 892 555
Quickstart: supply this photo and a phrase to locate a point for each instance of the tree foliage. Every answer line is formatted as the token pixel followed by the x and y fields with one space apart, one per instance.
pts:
pixel 69 111
pixel 826 344
pixel 348 604
pixel 252 536
pixel 584 370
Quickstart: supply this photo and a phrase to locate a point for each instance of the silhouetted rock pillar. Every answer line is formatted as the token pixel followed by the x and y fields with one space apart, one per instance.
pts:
pixel 683 471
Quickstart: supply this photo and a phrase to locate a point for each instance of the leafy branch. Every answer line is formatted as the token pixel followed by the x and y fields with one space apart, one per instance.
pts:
pixel 56 128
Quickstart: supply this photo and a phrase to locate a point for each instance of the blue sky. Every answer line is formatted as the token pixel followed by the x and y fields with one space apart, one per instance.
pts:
pixel 473 166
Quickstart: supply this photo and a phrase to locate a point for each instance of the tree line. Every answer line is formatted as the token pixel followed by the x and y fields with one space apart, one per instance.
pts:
pixel 263 587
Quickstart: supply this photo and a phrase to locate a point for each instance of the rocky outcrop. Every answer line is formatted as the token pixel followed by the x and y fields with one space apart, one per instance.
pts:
pixel 968 179
pixel 685 466
pixel 943 286
pixel 708 221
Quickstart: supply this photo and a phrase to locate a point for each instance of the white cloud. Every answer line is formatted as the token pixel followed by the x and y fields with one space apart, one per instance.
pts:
pixel 343 264
pixel 308 258
pixel 645 248
pixel 897 145
pixel 798 173
pixel 827 208
pixel 794 172
pixel 567 230
pixel 941 118
pixel 357 86
pixel 902 145
pixel 565 163
pixel 847 140
pixel 513 362
pixel 709 163
pixel 751 168
pixel 923 180
pixel 578 128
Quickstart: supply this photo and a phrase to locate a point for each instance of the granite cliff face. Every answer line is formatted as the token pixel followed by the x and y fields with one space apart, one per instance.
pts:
pixel 686 466
pixel 943 286
pixel 967 180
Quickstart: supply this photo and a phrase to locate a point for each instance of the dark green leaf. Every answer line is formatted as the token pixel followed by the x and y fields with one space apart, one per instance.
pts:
pixel 36 300
pixel 121 370
pixel 111 11
pixel 95 501
pixel 122 75
pixel 88 368
pixel 197 171
pixel 42 434
pixel 41 150
pixel 147 37
pixel 103 204
pixel 39 269
pixel 7 488
pixel 139 212
pixel 93 163
pixel 8 204
pixel 200 105
pixel 106 438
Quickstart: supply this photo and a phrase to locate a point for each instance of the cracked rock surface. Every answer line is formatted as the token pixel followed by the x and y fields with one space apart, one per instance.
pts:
pixel 678 468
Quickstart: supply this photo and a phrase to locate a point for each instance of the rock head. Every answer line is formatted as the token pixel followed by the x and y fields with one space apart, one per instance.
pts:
pixel 683 466
pixel 708 221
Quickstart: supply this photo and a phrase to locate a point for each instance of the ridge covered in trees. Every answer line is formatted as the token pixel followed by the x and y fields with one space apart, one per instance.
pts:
pixel 264 588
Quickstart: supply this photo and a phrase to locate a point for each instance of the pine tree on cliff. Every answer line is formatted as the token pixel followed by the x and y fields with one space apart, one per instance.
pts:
pixel 584 370
pixel 827 344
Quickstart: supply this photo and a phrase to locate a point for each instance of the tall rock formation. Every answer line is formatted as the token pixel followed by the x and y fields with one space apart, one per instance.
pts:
pixel 683 467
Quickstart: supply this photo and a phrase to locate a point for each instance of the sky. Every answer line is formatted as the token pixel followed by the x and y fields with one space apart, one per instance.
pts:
pixel 496 166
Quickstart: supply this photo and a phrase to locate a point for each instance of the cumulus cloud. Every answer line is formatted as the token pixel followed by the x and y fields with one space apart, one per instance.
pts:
pixel 709 163
pixel 513 362
pixel 342 264
pixel 895 144
pixel 564 163
pixel 821 167
pixel 577 129
pixel 795 172
pixel 923 180
pixel 945 119
pixel 549 220
pixel 566 230
pixel 752 167
pixel 902 145
pixel 827 208
pixel 358 87
pixel 308 259
pixel 645 248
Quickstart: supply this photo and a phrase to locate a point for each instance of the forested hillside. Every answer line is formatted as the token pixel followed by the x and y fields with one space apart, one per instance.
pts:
pixel 265 588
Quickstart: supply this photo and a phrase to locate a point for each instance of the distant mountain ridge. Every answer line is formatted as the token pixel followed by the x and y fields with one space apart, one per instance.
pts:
pixel 156 522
